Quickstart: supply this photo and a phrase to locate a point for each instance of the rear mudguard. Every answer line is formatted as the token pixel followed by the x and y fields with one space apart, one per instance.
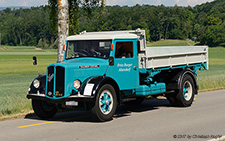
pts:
pixel 176 81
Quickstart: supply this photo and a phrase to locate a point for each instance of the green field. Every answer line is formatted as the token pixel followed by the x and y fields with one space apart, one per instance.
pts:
pixel 214 78
pixel 17 72
pixel 172 43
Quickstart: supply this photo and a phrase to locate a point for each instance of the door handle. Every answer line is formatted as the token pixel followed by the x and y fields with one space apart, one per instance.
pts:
pixel 135 67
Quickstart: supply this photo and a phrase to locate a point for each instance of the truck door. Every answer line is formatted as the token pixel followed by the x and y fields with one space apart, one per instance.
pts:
pixel 125 69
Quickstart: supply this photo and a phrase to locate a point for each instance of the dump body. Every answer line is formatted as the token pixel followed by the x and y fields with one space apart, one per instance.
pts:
pixel 158 57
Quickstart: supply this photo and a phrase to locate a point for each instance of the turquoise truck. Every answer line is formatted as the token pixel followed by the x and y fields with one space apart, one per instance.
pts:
pixel 102 70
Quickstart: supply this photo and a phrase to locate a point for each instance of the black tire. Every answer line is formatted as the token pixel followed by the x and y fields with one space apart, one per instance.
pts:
pixel 138 101
pixel 43 109
pixel 105 109
pixel 185 96
pixel 172 99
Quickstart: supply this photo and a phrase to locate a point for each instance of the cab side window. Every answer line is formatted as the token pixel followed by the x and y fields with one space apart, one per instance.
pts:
pixel 124 50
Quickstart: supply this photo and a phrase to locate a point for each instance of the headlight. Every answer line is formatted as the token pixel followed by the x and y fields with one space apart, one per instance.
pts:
pixel 76 84
pixel 36 83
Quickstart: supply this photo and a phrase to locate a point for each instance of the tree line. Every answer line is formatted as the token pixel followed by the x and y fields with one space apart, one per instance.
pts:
pixel 204 23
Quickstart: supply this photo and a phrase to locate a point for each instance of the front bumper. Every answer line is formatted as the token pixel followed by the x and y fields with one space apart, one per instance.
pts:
pixel 77 98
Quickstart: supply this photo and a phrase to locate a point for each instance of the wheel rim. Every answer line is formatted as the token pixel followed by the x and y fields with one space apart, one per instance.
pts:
pixel 187 90
pixel 106 102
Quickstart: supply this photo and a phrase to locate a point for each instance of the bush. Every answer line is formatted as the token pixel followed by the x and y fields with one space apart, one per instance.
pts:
pixel 222 44
pixel 40 44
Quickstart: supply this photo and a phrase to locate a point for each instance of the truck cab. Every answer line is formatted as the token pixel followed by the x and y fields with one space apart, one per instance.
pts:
pixel 101 70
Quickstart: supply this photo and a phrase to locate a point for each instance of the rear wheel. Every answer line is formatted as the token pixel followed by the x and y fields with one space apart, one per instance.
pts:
pixel 43 109
pixel 105 104
pixel 172 99
pixel 185 96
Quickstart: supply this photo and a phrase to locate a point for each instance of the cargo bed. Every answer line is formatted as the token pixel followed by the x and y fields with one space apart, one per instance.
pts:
pixel 159 57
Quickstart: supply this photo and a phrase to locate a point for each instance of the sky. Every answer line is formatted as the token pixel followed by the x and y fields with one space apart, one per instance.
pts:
pixel 7 3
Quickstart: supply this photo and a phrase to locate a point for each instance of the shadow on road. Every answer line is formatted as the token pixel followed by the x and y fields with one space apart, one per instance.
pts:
pixel 147 105
pixel 122 111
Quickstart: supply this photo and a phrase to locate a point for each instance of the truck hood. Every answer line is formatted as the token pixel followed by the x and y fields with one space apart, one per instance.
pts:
pixel 83 68
pixel 85 62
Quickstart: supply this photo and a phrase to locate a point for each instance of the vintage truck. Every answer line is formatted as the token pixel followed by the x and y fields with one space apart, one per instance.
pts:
pixel 102 70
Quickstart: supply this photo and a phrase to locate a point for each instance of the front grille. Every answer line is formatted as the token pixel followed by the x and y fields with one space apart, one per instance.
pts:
pixel 50 82
pixel 56 75
pixel 60 79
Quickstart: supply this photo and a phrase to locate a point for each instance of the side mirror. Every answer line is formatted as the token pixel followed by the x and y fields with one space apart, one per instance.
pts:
pixel 34 60
pixel 111 61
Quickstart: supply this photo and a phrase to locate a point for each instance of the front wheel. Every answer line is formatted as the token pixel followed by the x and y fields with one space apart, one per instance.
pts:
pixel 185 96
pixel 105 104
pixel 43 109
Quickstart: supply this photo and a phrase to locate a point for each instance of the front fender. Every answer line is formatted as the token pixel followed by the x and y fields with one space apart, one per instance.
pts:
pixel 41 89
pixel 92 85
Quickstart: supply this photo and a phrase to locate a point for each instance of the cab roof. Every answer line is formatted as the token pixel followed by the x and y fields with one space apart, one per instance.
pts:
pixel 102 36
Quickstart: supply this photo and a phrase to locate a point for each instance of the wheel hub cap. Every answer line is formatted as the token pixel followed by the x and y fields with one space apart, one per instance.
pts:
pixel 105 102
pixel 187 90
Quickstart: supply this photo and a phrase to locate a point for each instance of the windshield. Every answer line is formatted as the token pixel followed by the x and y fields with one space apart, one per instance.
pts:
pixel 99 49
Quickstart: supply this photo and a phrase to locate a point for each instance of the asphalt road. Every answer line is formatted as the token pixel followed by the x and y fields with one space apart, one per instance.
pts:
pixel 154 120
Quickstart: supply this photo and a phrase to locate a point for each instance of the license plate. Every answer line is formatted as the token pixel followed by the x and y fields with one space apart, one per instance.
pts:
pixel 71 103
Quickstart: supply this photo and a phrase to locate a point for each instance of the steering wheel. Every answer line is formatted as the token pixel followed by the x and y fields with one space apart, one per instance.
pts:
pixel 95 53
pixel 84 51
pixel 79 53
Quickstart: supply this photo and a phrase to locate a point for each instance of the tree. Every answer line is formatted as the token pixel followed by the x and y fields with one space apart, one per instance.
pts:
pixel 28 26
pixel 69 9
pixel 214 35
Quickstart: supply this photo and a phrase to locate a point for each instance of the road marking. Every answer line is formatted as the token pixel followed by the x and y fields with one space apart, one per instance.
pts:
pixel 36 124
pixel 42 123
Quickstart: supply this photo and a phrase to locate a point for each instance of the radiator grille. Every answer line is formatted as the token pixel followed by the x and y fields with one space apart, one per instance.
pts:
pixel 56 75
pixel 50 83
pixel 60 80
